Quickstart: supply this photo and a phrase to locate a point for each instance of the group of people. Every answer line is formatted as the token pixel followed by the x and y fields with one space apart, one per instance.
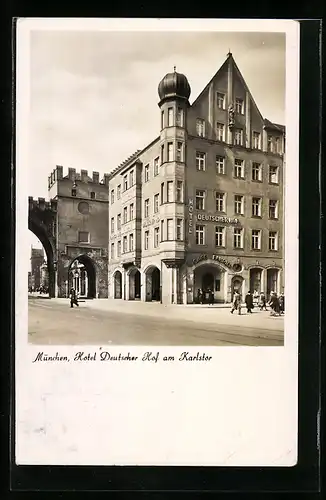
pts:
pixel 41 289
pixel 276 303
pixel 205 297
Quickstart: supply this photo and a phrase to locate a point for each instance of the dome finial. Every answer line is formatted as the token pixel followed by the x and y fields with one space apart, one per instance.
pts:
pixel 229 54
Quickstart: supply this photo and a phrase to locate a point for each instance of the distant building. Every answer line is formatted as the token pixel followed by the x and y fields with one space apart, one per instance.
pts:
pixel 37 260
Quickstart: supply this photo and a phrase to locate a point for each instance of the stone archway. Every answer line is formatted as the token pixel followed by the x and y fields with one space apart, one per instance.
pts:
pixel 117 284
pixel 273 277
pixel 255 279
pixel 210 276
pixel 134 284
pixel 48 246
pixel 82 277
pixel 153 284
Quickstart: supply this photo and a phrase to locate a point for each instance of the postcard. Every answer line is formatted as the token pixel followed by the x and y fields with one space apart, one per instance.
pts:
pixel 157 242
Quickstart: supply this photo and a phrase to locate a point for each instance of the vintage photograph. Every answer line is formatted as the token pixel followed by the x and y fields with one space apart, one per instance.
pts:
pixel 156 188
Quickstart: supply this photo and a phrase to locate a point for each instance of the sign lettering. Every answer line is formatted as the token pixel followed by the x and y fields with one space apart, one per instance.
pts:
pixel 190 210
pixel 217 218
pixel 213 257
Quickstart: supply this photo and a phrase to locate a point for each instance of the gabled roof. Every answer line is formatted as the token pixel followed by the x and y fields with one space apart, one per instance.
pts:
pixel 230 60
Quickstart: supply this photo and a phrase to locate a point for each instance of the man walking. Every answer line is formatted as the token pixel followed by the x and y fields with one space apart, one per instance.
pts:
pixel 236 305
pixel 249 302
pixel 73 298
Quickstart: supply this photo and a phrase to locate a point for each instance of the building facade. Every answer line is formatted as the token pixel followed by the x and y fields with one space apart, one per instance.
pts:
pixel 201 207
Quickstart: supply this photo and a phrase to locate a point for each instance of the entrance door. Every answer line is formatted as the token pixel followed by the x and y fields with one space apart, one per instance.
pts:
pixel 156 283
pixel 137 284
pixel 272 281
pixel 237 286
pixel 118 285
pixel 207 284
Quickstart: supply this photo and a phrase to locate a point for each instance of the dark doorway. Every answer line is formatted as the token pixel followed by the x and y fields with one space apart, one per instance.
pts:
pixel 156 284
pixel 255 280
pixel 236 286
pixel 134 285
pixel 137 284
pixel 117 285
pixel 272 281
pixel 208 282
pixel 42 236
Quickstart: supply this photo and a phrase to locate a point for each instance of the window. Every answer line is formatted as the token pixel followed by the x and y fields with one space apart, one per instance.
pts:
pixel 146 173
pixel 200 235
pixel 131 242
pixel 220 164
pixel 156 166
pixel 179 191
pixel 220 131
pixel 179 156
pixel 256 140
pixel 219 236
pixel 200 127
pixel 132 178
pixel 156 203
pixel 239 168
pixel 273 209
pixel 118 222
pixel 119 192
pixel 162 193
pixel 170 117
pixel 112 225
pixel 273 174
pixel 239 106
pixel 278 145
pixel 125 215
pixel 83 237
pixel 92 195
pixel 256 172
pixel 272 240
pixel 146 210
pixel 125 183
pixel 238 204
pixel 170 151
pixel 237 238
pixel 256 207
pixel 270 144
pixel 162 154
pixel 179 229
pixel 162 230
pixel 238 137
pixel 220 100
pixel 169 229
pixel 74 192
pixel 112 196
pixel 220 202
pixel 255 239
pixel 169 192
pixel 179 121
pixel 146 241
pixel 200 160
pixel 156 237
pixel 112 250
pixel 200 199
pixel 124 247
pixel 162 120
pixel 131 211
pixel 119 249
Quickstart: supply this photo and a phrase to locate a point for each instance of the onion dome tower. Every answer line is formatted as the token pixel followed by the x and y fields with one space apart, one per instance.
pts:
pixel 174 86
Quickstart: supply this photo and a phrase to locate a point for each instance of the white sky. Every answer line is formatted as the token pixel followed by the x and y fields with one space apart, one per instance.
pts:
pixel 94 94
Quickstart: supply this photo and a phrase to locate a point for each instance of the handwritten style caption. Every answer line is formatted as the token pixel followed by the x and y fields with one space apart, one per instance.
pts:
pixel 103 355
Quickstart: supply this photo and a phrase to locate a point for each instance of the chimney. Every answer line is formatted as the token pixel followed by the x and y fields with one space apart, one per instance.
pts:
pixel 59 172
pixel 84 175
pixel 72 173
pixel 96 177
pixel 106 179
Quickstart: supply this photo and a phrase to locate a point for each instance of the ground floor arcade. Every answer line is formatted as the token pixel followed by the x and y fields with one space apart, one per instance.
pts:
pixel 179 283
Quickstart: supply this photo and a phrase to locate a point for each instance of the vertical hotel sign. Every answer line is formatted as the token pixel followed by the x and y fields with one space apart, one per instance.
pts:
pixel 190 214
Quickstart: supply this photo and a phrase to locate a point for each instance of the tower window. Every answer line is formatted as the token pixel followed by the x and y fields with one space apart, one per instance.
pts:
pixel 170 117
pixel 179 120
pixel 74 192
pixel 92 195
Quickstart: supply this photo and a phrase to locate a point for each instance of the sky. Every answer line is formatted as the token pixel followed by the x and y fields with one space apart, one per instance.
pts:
pixel 93 95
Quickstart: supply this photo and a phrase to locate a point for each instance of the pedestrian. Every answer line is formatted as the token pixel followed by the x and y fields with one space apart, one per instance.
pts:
pixel 281 302
pixel 275 305
pixel 262 302
pixel 73 298
pixel 256 297
pixel 210 297
pixel 236 304
pixel 249 302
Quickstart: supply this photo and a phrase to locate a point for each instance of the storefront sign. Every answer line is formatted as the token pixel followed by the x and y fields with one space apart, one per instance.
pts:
pixel 190 210
pixel 150 222
pixel 212 257
pixel 217 218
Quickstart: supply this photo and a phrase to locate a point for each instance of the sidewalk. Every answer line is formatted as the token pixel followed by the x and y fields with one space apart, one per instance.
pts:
pixel 203 313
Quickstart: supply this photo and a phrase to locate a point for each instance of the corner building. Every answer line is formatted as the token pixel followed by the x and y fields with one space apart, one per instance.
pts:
pixel 201 207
